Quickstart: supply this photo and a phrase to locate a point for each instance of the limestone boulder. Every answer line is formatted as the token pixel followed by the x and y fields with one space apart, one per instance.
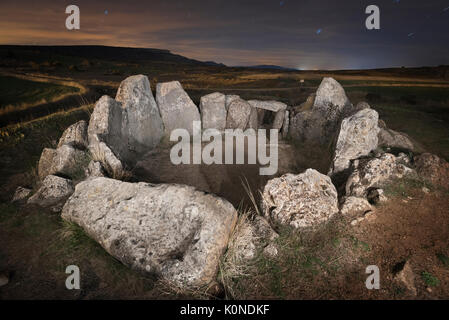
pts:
pixel 177 109
pixel 433 169
pixel 53 192
pixel 357 138
pixel 45 164
pixel 392 139
pixel 75 136
pixel 239 112
pixel 304 200
pixel 21 194
pixel 141 128
pixel 374 173
pixel 213 111
pixel 173 231
pixel 355 206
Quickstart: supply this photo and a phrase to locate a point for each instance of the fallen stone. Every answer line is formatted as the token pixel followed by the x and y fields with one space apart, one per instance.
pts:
pixel 75 136
pixel 213 111
pixel 433 169
pixel 374 173
pixel 177 109
pixel 273 106
pixel 53 192
pixel 357 138
pixel 94 169
pixel 355 206
pixel 303 200
pixel 392 139
pixel 21 194
pixel 171 230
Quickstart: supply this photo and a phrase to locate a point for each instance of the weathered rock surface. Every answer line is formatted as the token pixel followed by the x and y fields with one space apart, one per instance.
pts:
pixel 141 128
pixel 273 106
pixel 213 111
pixel 4 279
pixel 321 123
pixel 94 169
pixel 357 138
pixel 65 161
pixel 45 164
pixel 177 109
pixel 171 230
pixel 286 124
pixel 433 169
pixel 21 194
pixel 376 196
pixel 53 192
pixel 253 122
pixel 354 206
pixel 75 136
pixel 405 277
pixel 229 99
pixel 392 139
pixel 105 134
pixel 374 173
pixel 303 200
pixel 239 112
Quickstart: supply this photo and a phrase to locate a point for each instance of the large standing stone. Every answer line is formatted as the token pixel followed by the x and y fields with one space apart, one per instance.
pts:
pixel 357 138
pixel 303 200
pixel 177 109
pixel 213 111
pixel 253 122
pixel 239 112
pixel 105 138
pixel 320 124
pixel 142 127
pixel 52 193
pixel 171 230
pixel 75 136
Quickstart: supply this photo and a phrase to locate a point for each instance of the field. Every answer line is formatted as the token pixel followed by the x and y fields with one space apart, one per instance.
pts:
pixel 43 91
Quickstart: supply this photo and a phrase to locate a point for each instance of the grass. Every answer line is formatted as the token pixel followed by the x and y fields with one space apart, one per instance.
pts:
pixel 404 187
pixel 429 279
pixel 18 94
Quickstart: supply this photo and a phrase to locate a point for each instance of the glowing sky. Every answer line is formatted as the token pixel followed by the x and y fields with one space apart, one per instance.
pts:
pixel 305 34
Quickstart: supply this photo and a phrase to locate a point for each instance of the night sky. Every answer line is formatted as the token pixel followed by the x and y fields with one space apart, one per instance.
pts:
pixel 303 34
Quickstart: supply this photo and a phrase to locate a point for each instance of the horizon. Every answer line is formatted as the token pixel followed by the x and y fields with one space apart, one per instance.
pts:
pixel 300 35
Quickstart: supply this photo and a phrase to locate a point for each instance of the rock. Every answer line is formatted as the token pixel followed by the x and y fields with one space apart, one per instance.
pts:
pixel 21 194
pixel 229 99
pixel 362 106
pixel 286 124
pixel 260 116
pixel 376 196
pixel 354 206
pixel 239 112
pixel 94 169
pixel 171 230
pixel 433 169
pixel 392 139
pixel 104 134
pixel 69 162
pixel 52 193
pixel 278 120
pixel 357 138
pixel 425 190
pixel 45 164
pixel 303 200
pixel 270 251
pixel 253 122
pixel 374 173
pixel 213 111
pixel 141 128
pixel 75 136
pixel 273 106
pixel 250 237
pixel 4 279
pixel 403 274
pixel 306 105
pixel 177 109
pixel 321 122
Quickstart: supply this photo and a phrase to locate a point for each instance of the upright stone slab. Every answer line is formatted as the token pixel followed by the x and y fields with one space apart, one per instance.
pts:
pixel 177 109
pixel 142 128
pixel 213 111
pixel 239 112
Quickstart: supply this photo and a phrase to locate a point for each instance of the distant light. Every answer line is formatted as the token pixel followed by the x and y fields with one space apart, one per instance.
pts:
pixel 319 31
pixel 106 12
pixel 411 34
pixel 281 3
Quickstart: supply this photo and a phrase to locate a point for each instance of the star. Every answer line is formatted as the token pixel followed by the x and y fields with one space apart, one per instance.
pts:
pixel 106 12
pixel 281 3
pixel 411 34
pixel 319 31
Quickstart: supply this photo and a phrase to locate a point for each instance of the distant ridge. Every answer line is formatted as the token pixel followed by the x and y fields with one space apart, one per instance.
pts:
pixel 269 66
pixel 110 53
